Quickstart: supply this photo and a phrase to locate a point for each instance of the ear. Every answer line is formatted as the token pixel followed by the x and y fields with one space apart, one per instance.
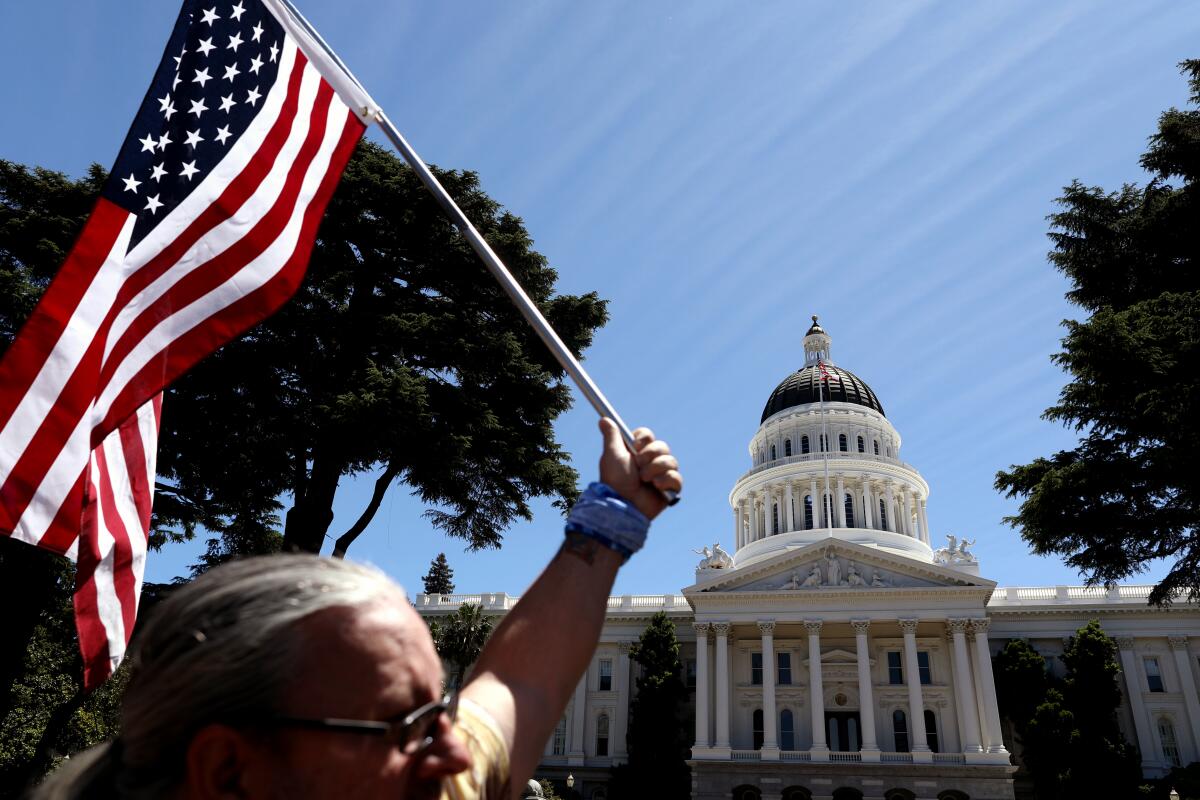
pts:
pixel 225 763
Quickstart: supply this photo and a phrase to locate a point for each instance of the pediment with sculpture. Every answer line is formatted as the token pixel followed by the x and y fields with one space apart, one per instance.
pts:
pixel 832 566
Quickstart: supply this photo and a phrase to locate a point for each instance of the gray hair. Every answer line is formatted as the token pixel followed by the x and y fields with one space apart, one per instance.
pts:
pixel 221 649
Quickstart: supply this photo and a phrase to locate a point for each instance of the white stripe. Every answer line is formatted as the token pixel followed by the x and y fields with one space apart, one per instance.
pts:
pixel 44 391
pixel 253 275
pixel 107 605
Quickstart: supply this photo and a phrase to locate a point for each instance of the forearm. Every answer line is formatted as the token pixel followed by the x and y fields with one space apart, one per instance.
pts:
pixel 533 661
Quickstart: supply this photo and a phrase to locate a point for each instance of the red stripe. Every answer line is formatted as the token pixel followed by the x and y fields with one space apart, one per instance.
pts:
pixel 64 528
pixel 80 390
pixel 122 554
pixel 93 640
pixel 193 345
pixel 41 332
pixel 199 282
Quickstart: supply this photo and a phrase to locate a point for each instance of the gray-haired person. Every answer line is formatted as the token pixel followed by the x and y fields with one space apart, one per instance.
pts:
pixel 297 676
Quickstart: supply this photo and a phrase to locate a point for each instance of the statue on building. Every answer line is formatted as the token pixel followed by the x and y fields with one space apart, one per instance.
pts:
pixel 955 551
pixel 717 558
pixel 834 569
pixel 853 578
pixel 814 577
pixel 878 580
pixel 793 582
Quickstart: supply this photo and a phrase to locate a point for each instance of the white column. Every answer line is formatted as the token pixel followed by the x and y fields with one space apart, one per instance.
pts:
pixel 575 754
pixel 621 722
pixel 754 518
pixel 869 502
pixel 1187 685
pixel 985 684
pixel 866 700
pixel 702 686
pixel 891 506
pixel 908 513
pixel 916 706
pixel 924 520
pixel 737 525
pixel 770 748
pixel 963 690
pixel 721 629
pixel 816 692
pixel 839 501
pixel 789 502
pixel 1134 688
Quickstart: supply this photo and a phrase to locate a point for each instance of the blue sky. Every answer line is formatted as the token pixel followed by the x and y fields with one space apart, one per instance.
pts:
pixel 720 172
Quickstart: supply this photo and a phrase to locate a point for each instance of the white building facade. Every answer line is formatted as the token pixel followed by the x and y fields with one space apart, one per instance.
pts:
pixel 836 654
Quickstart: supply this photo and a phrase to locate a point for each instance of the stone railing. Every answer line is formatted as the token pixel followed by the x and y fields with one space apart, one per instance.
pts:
pixel 1017 596
pixel 834 456
pixel 500 601
pixel 949 758
pixel 745 755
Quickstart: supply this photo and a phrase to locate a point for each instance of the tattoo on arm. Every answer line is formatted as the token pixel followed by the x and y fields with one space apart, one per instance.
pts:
pixel 581 546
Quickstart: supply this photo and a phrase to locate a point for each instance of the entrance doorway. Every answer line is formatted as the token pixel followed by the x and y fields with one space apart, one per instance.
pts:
pixel 843 729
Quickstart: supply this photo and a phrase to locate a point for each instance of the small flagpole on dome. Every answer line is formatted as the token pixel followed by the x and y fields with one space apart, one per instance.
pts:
pixel 516 293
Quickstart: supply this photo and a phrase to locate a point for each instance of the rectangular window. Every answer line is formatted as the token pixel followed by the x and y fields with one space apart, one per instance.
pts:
pixel 895 670
pixel 560 738
pixel 923 667
pixel 756 669
pixel 606 674
pixel 1154 679
pixel 690 673
pixel 784 675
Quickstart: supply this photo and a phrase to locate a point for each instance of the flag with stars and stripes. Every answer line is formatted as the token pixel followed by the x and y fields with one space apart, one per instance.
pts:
pixel 203 229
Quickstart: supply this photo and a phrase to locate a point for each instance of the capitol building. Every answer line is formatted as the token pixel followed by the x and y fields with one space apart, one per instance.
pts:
pixel 835 651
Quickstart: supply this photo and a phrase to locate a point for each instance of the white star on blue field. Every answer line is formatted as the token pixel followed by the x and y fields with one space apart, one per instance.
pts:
pixel 720 172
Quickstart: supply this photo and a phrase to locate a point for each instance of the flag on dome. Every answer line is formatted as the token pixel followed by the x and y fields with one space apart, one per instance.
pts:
pixel 826 375
pixel 203 229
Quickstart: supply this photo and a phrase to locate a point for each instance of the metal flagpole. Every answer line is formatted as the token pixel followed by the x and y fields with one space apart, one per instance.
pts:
pixel 512 288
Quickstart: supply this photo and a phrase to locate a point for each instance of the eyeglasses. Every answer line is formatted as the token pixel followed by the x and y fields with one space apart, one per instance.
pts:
pixel 410 735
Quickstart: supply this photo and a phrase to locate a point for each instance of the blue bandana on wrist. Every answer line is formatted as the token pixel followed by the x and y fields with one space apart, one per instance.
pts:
pixel 603 515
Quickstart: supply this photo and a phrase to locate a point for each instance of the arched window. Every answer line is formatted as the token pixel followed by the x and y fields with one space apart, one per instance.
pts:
pixel 747 792
pixel 796 793
pixel 849 510
pixel 899 794
pixel 824 444
pixel 931 733
pixel 953 794
pixel 808 512
pixel 876 447
pixel 602 735
pixel 900 731
pixel 772 452
pixel 842 446
pixel 847 793
pixel 882 516
pixel 862 446
pixel 1170 745
pixel 600 793
pixel 804 444
pixel 775 518
pixel 559 740
pixel 787 447
pixel 758 729
pixel 787 732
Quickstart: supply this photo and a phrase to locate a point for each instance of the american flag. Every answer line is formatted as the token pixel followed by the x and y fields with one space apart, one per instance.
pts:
pixel 203 229
pixel 826 375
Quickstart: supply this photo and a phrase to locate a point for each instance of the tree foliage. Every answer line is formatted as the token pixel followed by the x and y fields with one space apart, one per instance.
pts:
pixel 1123 496
pixel 656 740
pixel 460 638
pixel 1067 735
pixel 440 578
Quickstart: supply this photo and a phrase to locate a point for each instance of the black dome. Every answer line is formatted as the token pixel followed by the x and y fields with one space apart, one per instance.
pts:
pixel 800 388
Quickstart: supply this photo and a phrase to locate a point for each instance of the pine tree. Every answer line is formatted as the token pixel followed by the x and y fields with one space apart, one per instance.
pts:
pixel 440 578
pixel 656 740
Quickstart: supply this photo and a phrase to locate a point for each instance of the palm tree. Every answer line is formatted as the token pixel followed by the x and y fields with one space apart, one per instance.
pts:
pixel 460 638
